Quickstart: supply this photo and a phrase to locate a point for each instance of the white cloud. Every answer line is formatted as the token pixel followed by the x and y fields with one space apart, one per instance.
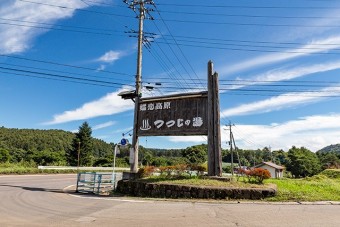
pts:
pixel 317 46
pixel 312 132
pixel 104 125
pixel 188 139
pixel 283 101
pixel 286 74
pixel 107 105
pixel 110 56
pixel 16 39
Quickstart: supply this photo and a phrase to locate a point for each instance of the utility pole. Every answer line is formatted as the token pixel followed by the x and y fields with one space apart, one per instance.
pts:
pixel 140 5
pixel 78 156
pixel 231 150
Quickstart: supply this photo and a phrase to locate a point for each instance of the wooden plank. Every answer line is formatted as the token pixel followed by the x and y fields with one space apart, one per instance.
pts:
pixel 211 152
pixel 217 130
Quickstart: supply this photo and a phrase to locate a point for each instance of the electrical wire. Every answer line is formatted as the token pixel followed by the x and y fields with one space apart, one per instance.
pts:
pixel 63 64
pixel 72 8
pixel 62 76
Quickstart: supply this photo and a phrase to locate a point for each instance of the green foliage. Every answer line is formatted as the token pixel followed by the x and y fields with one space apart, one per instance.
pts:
pixel 4 155
pixel 331 148
pixel 48 158
pixel 28 168
pixel 83 144
pixel 303 162
pixel 103 162
pixel 329 160
pixel 314 188
pixel 195 154
pixel 24 145
pixel 331 173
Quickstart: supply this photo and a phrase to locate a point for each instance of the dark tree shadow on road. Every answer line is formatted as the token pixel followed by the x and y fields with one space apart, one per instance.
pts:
pixel 34 189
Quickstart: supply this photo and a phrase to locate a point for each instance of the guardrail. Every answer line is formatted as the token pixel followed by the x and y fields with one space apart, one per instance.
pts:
pixel 84 168
pixel 97 183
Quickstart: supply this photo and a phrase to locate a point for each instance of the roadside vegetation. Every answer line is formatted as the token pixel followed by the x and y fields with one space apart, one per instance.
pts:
pixel 322 187
pixel 27 168
pixel 307 174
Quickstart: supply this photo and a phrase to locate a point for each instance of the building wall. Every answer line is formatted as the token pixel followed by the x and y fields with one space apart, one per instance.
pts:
pixel 270 169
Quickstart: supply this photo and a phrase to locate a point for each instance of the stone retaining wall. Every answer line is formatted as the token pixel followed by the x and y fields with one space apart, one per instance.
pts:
pixel 157 190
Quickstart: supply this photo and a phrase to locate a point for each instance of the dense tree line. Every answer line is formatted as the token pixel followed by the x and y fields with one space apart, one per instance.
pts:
pixel 57 147
pixel 44 147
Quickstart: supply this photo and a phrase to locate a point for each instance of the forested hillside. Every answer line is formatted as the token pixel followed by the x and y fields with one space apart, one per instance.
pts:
pixel 331 148
pixel 43 146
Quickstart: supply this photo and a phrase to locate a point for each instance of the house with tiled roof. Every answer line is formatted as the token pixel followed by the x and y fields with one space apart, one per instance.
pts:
pixel 276 171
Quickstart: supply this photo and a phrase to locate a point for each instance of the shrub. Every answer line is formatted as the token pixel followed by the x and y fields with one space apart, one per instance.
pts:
pixel 146 171
pixel 199 169
pixel 260 174
pixel 331 173
pixel 180 169
pixel 256 175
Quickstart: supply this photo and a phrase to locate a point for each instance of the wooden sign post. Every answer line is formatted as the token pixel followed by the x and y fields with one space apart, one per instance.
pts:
pixel 214 132
pixel 185 114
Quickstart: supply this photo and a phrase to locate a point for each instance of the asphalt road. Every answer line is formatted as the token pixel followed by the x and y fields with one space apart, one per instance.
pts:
pixel 40 201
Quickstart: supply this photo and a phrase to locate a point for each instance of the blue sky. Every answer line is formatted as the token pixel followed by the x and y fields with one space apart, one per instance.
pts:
pixel 63 62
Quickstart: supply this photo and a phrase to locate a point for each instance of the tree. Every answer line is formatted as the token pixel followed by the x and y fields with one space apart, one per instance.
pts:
pixel 302 162
pixel 4 155
pixel 280 157
pixel 195 154
pixel 82 142
pixel 329 160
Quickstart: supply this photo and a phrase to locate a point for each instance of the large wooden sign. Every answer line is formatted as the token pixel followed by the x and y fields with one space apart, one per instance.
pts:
pixel 183 114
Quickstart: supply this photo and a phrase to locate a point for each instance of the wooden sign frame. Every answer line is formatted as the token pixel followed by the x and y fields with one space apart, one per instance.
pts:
pixel 175 115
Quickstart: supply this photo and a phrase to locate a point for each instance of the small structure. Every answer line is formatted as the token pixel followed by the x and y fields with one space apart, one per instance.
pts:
pixel 276 171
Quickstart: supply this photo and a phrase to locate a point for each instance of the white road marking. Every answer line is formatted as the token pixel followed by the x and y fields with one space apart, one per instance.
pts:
pixel 107 199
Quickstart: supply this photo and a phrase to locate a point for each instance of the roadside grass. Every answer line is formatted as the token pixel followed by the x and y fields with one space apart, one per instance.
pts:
pixel 197 181
pixel 20 169
pixel 317 188
pixel 27 168
pixel 322 187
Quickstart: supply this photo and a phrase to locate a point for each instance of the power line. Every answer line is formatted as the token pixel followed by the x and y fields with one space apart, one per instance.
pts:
pixel 82 10
pixel 186 59
pixel 167 57
pixel 250 24
pixel 62 76
pixel 253 41
pixel 250 7
pixel 58 25
pixel 62 64
pixel 57 79
pixel 252 45
pixel 60 71
pixel 258 50
pixel 248 15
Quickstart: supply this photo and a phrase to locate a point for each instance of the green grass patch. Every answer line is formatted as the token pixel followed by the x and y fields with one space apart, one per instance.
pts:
pixel 317 188
pixel 28 168
pixel 22 169
pixel 197 181
pixel 331 173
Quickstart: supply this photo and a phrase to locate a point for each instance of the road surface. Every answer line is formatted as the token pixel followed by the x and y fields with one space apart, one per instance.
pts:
pixel 39 200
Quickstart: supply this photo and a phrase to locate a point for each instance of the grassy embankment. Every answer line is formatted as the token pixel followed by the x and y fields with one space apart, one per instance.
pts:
pixel 25 168
pixel 322 187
